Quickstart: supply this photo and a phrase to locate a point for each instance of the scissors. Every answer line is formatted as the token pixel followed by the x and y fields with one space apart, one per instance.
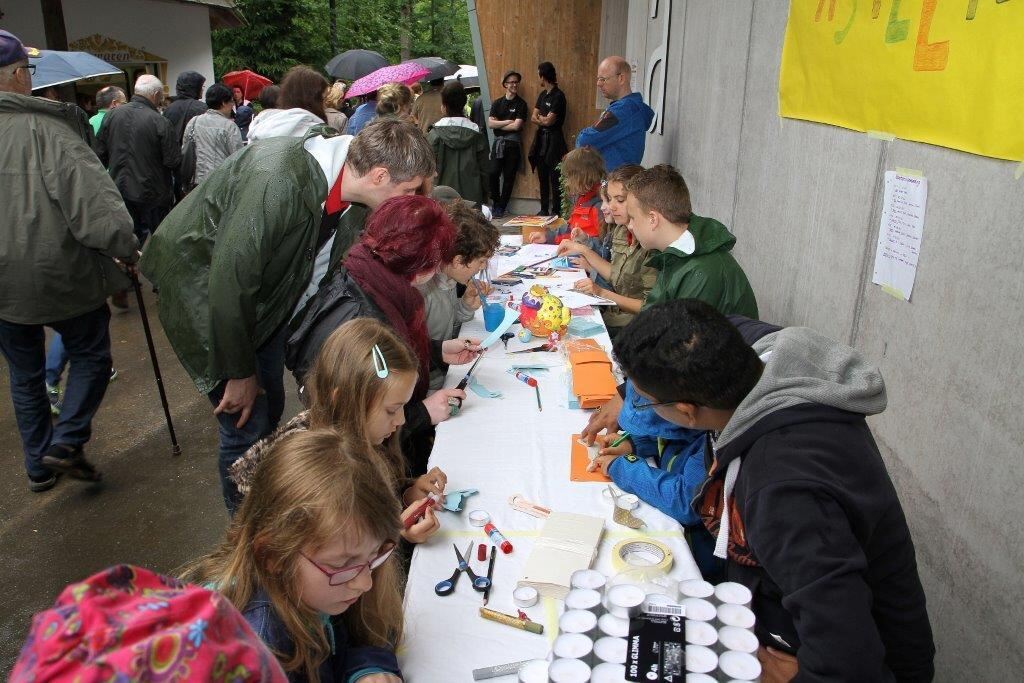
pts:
pixel 447 587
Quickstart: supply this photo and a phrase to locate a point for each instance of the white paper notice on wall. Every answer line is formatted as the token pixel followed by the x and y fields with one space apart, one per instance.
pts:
pixel 899 239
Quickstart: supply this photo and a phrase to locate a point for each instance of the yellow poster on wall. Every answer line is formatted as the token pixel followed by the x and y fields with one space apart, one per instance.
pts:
pixel 945 72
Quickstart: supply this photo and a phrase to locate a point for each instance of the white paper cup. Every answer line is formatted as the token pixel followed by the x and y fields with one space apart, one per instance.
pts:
pixel 577 621
pixel 698 609
pixel 625 600
pixel 732 593
pixel 568 671
pixel 700 633
pixel 700 659
pixel 696 588
pixel 737 639
pixel 608 673
pixel 535 671
pixel 611 625
pixel 699 678
pixel 734 615
pixel 587 578
pixel 572 646
pixel 584 598
pixel 611 650
pixel 739 666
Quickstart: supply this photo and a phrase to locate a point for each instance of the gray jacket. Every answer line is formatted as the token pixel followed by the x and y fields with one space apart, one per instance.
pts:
pixel 445 315
pixel 61 217
pixel 216 138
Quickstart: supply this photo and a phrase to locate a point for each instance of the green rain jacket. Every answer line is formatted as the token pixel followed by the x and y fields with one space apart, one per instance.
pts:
pixel 233 258
pixel 62 220
pixel 462 157
pixel 710 273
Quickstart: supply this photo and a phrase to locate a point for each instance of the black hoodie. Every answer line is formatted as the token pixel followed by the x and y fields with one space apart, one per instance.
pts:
pixel 815 528
pixel 187 104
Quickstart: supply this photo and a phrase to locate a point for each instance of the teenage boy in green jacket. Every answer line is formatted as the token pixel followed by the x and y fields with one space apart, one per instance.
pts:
pixel 692 258
pixel 243 252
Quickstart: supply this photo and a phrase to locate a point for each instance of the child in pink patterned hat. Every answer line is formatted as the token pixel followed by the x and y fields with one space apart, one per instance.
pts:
pixel 128 624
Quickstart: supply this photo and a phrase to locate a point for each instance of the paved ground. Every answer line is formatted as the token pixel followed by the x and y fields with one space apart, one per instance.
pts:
pixel 151 509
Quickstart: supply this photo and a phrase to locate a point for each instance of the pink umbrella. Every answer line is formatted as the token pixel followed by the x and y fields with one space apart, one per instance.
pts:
pixel 407 73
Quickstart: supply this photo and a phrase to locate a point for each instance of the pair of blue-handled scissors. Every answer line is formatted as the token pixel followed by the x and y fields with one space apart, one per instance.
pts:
pixel 447 587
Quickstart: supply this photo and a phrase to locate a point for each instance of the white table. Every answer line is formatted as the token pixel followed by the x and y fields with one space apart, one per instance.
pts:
pixel 503 447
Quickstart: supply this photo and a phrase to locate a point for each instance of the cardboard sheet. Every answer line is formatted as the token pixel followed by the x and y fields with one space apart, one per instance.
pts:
pixel 579 459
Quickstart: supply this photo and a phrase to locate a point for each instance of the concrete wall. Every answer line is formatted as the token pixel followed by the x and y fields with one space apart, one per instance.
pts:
pixel 178 32
pixel 805 203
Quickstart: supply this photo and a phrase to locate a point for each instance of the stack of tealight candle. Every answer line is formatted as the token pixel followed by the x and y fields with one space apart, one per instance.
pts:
pixel 720 640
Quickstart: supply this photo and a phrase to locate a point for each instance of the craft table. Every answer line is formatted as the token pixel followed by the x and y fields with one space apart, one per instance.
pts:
pixel 504 446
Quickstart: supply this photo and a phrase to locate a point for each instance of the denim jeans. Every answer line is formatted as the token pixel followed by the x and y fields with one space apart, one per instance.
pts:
pixel 87 340
pixel 264 418
pixel 56 360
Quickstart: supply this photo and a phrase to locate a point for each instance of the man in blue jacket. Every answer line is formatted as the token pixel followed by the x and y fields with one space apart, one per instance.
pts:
pixel 621 132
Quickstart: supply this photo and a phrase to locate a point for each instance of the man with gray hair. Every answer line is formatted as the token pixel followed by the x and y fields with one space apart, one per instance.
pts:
pixel 140 149
pixel 107 98
pixel 63 225
pixel 239 257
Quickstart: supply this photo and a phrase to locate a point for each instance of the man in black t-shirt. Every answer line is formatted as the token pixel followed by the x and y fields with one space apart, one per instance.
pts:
pixel 508 114
pixel 548 146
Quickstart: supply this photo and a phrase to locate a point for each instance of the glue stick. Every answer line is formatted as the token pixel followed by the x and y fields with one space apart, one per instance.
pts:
pixel 523 377
pixel 497 538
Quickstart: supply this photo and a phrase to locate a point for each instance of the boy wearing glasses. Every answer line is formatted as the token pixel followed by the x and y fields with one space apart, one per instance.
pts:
pixel 507 117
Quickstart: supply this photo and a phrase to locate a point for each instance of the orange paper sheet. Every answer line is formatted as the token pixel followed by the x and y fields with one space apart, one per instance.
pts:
pixel 592 379
pixel 578 464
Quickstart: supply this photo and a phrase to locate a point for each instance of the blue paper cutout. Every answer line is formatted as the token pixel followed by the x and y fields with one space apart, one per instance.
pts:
pixel 454 500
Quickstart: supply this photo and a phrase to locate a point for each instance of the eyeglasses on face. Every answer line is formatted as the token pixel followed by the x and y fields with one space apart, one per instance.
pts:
pixel 341 576
pixel 31 68
pixel 645 405
pixel 605 79
pixel 511 82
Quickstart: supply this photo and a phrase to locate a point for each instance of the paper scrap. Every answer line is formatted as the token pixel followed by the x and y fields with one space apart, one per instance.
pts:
pixel 510 318
pixel 482 391
pixel 581 327
pixel 899 238
pixel 454 500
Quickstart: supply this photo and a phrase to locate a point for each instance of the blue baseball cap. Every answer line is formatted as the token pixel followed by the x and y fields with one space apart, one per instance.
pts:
pixel 11 49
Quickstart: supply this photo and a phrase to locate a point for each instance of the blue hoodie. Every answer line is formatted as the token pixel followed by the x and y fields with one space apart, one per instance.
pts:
pixel 621 133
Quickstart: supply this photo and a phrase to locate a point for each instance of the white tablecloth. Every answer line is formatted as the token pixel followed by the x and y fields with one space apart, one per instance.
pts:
pixel 505 446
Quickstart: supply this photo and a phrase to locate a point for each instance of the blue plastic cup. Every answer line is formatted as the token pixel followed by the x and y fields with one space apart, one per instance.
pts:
pixel 493 315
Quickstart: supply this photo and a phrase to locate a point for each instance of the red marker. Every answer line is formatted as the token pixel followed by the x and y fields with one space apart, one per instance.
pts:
pixel 497 538
pixel 419 512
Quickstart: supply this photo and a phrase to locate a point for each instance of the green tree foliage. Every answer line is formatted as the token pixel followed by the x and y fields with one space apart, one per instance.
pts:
pixel 283 33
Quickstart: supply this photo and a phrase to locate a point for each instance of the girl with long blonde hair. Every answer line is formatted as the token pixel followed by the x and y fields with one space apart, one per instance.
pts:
pixel 362 377
pixel 306 559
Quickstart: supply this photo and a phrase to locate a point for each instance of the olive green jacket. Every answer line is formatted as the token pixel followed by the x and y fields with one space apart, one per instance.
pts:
pixel 630 276
pixel 710 273
pixel 233 258
pixel 62 220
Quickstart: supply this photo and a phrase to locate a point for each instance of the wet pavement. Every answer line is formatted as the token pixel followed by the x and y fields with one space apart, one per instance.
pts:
pixel 151 509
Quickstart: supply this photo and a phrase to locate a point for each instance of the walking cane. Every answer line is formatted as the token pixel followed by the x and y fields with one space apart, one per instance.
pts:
pixel 175 448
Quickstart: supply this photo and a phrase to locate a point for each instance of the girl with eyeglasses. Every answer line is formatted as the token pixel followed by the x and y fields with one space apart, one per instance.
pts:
pixel 359 384
pixel 306 560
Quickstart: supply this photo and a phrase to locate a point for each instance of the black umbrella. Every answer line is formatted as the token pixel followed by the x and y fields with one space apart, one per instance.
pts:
pixel 351 65
pixel 437 67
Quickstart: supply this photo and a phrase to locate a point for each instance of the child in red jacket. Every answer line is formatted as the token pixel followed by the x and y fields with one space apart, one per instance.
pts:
pixel 582 171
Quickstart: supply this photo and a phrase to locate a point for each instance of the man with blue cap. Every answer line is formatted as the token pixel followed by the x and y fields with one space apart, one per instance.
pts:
pixel 65 223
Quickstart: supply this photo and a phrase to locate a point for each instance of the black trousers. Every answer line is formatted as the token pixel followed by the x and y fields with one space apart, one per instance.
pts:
pixel 503 176
pixel 550 189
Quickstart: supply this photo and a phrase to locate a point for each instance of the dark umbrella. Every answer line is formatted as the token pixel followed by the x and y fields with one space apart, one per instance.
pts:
pixel 351 65
pixel 54 67
pixel 437 67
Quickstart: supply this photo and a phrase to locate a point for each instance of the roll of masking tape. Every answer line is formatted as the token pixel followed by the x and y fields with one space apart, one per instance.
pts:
pixel 525 596
pixel 641 552
pixel 479 517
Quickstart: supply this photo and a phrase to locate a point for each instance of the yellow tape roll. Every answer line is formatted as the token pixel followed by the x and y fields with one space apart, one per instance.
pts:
pixel 634 553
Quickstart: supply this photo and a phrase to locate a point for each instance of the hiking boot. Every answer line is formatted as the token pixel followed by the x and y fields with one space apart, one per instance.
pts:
pixel 53 393
pixel 42 482
pixel 70 461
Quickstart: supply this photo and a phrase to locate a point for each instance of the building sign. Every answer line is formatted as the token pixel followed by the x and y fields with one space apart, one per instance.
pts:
pixel 114 51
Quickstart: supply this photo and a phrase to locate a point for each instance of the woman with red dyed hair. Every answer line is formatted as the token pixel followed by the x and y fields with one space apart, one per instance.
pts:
pixel 405 240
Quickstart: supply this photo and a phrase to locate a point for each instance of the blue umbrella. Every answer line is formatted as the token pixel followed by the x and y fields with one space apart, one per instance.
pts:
pixel 54 67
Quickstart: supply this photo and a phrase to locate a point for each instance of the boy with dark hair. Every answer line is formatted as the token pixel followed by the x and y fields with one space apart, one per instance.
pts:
pixel 694 260
pixel 798 497
pixel 460 148
pixel 475 243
